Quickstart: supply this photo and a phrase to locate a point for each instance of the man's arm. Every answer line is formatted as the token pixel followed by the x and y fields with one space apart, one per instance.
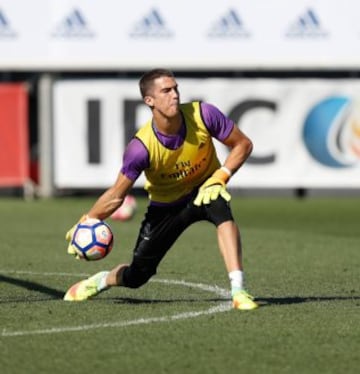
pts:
pixel 240 149
pixel 112 198
pixel 105 205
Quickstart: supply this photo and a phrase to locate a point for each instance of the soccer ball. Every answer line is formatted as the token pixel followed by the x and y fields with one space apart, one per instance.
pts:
pixel 92 239
pixel 126 210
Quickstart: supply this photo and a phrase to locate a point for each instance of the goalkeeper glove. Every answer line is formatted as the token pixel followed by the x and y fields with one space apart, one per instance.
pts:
pixel 214 187
pixel 71 249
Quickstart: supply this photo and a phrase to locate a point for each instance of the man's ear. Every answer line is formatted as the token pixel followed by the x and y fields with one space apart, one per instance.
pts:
pixel 148 100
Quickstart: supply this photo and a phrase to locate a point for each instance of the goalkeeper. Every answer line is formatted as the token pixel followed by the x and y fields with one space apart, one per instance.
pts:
pixel 185 184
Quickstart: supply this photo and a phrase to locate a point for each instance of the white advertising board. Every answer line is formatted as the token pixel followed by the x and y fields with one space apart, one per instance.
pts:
pixel 202 34
pixel 306 133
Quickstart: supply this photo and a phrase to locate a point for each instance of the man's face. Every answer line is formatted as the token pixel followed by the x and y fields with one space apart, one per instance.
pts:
pixel 164 97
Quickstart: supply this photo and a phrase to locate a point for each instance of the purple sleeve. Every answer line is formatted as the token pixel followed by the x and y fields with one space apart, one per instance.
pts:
pixel 135 159
pixel 216 122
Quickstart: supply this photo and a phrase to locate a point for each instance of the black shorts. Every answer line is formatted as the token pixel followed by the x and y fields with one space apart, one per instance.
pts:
pixel 160 229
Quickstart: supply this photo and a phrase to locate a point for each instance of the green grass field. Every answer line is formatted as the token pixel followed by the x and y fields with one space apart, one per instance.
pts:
pixel 302 262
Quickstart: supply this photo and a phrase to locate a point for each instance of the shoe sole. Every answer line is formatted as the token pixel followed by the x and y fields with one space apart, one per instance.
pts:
pixel 238 306
pixel 71 293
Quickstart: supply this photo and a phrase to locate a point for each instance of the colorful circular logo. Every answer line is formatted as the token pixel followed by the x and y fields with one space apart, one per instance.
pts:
pixel 332 132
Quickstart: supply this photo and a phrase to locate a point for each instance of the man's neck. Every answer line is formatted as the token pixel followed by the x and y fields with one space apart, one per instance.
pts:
pixel 168 126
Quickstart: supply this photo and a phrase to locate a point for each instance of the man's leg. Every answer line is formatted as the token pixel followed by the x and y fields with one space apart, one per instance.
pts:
pixel 159 230
pixel 219 213
pixel 230 247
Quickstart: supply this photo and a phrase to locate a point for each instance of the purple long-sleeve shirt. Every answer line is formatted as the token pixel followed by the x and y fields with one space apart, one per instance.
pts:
pixel 136 158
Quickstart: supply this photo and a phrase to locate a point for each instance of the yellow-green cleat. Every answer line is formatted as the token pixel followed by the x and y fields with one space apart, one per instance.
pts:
pixel 85 289
pixel 243 301
pixel 81 291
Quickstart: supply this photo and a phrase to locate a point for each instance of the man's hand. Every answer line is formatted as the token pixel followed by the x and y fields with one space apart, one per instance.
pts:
pixel 213 187
pixel 71 250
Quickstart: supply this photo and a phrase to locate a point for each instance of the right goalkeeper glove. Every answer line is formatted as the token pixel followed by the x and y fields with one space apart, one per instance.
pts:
pixel 71 250
pixel 213 187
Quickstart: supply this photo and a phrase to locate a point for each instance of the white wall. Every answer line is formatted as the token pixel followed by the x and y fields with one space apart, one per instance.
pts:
pixel 202 34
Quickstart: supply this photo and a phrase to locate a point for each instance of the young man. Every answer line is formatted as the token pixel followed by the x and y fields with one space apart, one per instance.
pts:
pixel 185 183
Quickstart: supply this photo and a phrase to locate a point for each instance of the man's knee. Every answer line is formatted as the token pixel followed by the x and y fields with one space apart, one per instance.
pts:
pixel 219 211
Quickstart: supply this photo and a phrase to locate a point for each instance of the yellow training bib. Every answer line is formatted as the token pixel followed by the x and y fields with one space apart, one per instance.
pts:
pixel 175 173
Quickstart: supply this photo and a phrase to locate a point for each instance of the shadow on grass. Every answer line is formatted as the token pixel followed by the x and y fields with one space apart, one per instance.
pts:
pixel 53 293
pixel 290 300
pixel 263 301
pixel 136 301
pixel 31 286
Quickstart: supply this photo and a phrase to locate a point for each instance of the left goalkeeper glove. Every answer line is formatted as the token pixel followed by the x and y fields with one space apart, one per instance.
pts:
pixel 213 187
pixel 71 250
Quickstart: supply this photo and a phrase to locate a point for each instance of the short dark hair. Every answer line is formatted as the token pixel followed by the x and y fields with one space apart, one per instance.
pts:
pixel 148 78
